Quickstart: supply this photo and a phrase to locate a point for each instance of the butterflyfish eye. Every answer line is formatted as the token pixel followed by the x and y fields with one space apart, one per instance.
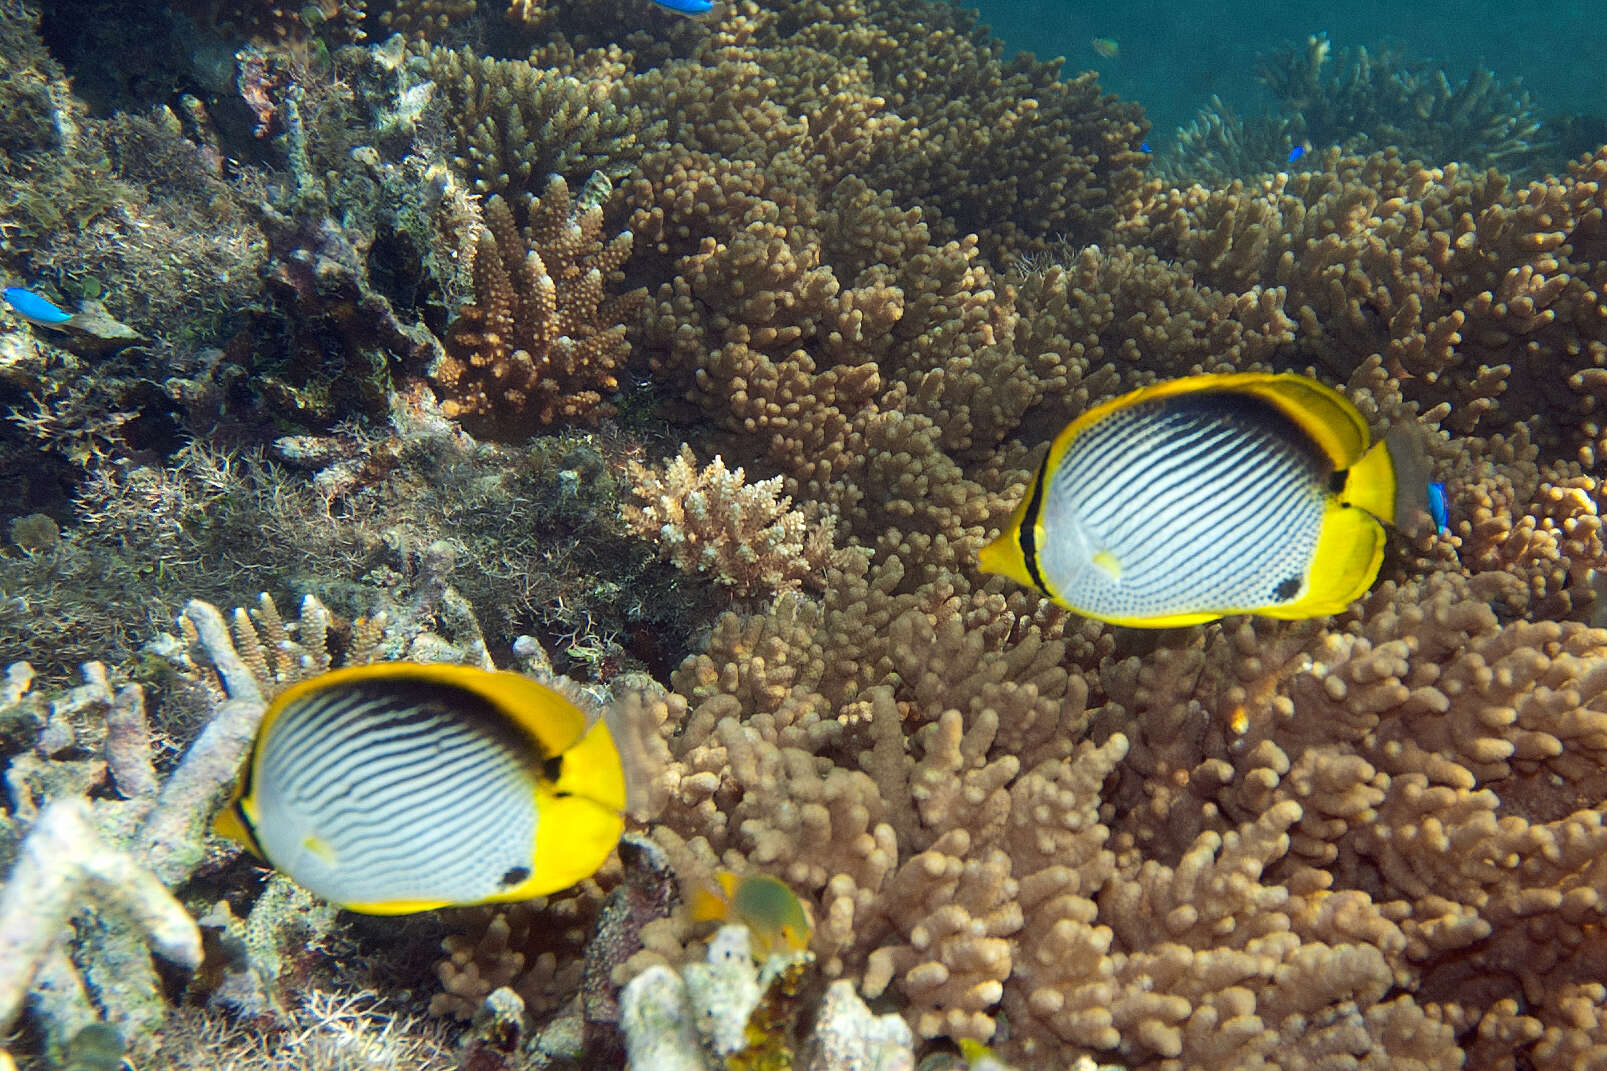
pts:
pixel 402 787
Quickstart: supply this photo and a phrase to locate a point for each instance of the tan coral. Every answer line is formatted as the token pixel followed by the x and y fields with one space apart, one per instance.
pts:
pixel 710 520
pixel 514 124
pixel 543 337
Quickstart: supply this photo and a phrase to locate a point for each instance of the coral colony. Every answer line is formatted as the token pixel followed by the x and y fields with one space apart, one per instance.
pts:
pixel 686 366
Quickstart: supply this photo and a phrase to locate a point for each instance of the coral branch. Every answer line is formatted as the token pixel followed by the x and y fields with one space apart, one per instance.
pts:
pixel 62 859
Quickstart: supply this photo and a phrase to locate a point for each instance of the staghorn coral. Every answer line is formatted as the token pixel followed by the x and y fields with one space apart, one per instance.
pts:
pixel 1364 101
pixel 711 521
pixel 543 337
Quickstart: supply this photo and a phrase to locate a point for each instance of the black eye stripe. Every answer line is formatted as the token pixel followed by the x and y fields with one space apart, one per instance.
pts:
pixel 1029 528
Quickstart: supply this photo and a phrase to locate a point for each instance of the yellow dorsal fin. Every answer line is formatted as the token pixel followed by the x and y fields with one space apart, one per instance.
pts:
pixel 1333 423
pixel 553 721
pixel 1327 416
pixel 707 905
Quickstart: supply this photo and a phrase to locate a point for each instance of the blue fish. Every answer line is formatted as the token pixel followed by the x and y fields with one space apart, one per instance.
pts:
pixel 30 306
pixel 1143 146
pixel 691 8
pixel 1438 509
pixel 1296 153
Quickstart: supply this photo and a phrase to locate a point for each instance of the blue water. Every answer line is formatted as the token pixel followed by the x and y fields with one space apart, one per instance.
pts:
pixel 1174 56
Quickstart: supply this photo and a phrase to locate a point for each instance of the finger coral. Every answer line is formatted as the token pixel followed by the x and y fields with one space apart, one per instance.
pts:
pixel 710 520
pixel 514 123
pixel 543 337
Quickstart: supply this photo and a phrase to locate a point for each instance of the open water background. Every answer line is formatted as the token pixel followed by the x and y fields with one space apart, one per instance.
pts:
pixel 1173 56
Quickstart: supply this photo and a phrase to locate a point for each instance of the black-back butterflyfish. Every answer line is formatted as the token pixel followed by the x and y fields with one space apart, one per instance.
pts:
pixel 403 787
pixel 1209 495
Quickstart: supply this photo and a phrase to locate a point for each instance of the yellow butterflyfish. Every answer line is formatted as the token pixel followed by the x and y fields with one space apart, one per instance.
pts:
pixel 1210 495
pixel 403 787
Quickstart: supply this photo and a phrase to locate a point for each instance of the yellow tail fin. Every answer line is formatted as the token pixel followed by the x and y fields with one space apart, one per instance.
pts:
pixel 1371 483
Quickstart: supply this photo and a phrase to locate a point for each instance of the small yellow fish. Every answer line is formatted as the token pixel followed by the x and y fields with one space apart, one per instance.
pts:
pixel 1209 495
pixel 767 906
pixel 402 787
pixel 1106 46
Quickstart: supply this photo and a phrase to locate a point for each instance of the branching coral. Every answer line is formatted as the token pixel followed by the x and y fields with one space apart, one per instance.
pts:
pixel 711 521
pixel 543 337
pixel 514 123
pixel 1468 291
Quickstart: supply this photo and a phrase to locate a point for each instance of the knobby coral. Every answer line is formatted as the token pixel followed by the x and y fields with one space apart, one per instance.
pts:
pixel 709 520
pixel 543 337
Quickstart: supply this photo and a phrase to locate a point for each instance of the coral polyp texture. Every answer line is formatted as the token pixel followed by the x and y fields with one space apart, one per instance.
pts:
pixel 819 328
pixel 544 336
pixel 710 520
pixel 515 123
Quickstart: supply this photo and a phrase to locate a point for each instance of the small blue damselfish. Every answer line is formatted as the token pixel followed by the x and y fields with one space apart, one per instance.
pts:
pixel 690 8
pixel 30 306
pixel 1438 509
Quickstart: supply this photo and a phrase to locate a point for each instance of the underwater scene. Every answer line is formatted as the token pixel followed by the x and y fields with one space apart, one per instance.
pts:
pixel 751 535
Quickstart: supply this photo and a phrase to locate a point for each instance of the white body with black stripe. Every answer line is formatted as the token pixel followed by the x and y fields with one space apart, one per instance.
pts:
pixel 1245 492
pixel 402 792
pixel 402 787
pixel 1170 505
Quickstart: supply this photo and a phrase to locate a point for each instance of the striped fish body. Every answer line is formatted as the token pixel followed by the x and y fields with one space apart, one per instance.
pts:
pixel 1200 497
pixel 402 787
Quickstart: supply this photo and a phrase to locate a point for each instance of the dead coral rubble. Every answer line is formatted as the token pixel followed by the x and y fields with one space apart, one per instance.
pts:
pixel 121 855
